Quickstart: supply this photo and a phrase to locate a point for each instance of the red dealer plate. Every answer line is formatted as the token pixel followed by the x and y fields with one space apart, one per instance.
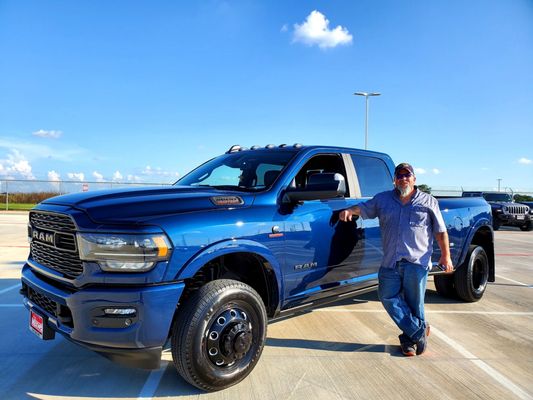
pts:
pixel 36 323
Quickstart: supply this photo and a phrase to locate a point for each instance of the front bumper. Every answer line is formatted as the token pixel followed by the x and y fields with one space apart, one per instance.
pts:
pixel 79 316
pixel 514 219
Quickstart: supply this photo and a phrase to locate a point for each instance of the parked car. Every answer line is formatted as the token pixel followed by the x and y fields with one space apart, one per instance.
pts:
pixel 505 211
pixel 248 236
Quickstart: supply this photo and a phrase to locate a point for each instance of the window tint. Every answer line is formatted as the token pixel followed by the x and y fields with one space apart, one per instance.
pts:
pixel 250 170
pixel 320 164
pixel 373 174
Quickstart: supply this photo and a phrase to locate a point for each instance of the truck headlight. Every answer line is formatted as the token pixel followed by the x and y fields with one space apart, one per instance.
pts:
pixel 124 252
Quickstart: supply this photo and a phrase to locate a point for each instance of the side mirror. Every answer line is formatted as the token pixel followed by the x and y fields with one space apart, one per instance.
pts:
pixel 320 186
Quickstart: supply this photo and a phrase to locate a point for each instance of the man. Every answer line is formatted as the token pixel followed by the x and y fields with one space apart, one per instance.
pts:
pixel 409 219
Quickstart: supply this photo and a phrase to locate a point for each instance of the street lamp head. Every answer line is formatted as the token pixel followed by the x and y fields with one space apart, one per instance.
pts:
pixel 366 94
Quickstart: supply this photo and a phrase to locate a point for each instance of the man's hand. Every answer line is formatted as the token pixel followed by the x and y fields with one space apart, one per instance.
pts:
pixel 446 262
pixel 347 214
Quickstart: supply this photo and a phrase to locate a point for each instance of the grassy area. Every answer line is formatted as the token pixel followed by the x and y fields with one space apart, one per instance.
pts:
pixel 17 206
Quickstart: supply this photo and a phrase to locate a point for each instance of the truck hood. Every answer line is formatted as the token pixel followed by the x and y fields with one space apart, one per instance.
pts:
pixel 128 205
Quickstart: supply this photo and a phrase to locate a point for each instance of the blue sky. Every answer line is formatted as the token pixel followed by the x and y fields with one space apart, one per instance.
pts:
pixel 145 91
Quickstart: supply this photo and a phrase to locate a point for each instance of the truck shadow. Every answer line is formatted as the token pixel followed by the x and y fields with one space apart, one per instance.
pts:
pixel 335 346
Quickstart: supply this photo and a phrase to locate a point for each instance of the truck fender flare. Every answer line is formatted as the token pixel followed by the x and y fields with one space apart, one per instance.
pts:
pixel 482 222
pixel 230 246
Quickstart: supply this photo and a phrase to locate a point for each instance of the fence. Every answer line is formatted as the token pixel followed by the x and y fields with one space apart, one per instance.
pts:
pixel 24 194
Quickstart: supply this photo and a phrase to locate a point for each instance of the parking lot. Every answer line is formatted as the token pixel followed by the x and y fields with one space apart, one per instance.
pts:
pixel 348 350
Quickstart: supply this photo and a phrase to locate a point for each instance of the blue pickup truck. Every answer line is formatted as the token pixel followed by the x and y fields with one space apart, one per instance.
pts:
pixel 247 237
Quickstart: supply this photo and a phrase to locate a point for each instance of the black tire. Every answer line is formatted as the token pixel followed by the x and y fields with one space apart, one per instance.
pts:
pixel 472 276
pixel 527 226
pixel 496 225
pixel 444 283
pixel 219 334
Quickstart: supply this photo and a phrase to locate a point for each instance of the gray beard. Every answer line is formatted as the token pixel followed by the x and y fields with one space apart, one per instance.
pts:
pixel 405 191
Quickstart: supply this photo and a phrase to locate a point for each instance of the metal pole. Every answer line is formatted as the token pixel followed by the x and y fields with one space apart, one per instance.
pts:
pixel 499 180
pixel 366 95
pixel 366 123
pixel 7 196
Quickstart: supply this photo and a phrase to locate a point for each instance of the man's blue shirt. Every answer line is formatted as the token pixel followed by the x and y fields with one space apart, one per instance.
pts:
pixel 407 230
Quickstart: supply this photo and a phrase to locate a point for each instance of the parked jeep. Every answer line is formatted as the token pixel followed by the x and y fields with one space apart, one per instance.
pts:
pixel 505 211
pixel 248 236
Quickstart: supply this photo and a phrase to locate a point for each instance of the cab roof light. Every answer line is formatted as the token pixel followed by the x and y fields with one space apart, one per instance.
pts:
pixel 270 146
pixel 283 145
pixel 255 147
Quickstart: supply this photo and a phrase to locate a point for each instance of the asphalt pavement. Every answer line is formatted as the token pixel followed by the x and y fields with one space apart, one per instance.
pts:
pixel 347 350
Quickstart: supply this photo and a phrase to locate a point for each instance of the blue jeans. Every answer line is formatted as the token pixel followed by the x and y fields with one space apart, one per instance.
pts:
pixel 401 291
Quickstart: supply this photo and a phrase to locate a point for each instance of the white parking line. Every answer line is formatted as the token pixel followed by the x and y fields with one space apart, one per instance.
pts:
pixel 10 288
pixel 512 280
pixel 152 382
pixel 502 380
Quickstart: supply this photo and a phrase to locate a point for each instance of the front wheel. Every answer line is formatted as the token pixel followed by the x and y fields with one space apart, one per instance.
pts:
pixel 527 226
pixel 219 334
pixel 472 276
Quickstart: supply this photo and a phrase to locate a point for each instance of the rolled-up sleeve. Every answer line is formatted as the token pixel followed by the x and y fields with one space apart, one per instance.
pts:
pixel 438 221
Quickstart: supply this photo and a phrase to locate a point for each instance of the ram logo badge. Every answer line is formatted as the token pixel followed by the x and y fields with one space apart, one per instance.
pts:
pixel 310 265
pixel 45 237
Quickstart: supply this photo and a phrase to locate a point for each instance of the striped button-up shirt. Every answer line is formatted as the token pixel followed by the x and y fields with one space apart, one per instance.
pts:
pixel 407 230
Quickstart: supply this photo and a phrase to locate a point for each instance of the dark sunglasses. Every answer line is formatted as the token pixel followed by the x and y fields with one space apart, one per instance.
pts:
pixel 406 175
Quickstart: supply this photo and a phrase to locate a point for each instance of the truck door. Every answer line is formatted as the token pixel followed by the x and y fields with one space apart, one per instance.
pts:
pixel 319 248
pixel 373 176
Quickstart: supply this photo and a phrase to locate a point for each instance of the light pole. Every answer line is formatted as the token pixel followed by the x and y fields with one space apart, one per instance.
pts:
pixel 367 95
pixel 499 180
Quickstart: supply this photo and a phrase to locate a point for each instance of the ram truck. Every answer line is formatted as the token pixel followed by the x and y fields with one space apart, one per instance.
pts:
pixel 248 237
pixel 505 211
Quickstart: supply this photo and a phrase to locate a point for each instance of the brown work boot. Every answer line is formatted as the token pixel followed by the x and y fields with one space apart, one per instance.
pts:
pixel 407 346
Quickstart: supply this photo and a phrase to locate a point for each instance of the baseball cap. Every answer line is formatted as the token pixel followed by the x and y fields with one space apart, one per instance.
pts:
pixel 404 165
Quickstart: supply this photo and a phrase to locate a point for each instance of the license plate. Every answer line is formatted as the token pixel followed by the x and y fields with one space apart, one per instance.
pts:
pixel 36 323
pixel 519 217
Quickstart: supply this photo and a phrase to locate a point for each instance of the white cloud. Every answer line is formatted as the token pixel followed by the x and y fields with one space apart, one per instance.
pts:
pixel 76 176
pixel 34 151
pixel 117 176
pixel 48 134
pixel 53 176
pixel 420 171
pixel 98 176
pixel 525 161
pixel 134 178
pixel 158 172
pixel 436 171
pixel 16 166
pixel 284 28
pixel 315 31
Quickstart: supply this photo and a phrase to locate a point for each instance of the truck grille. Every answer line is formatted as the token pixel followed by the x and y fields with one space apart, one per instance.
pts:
pixel 54 243
pixel 517 209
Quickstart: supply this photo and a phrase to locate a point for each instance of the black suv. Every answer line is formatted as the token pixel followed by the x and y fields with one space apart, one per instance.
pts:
pixel 504 210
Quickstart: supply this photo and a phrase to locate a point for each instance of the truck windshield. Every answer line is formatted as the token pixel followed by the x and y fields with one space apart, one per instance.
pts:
pixel 251 170
pixel 497 197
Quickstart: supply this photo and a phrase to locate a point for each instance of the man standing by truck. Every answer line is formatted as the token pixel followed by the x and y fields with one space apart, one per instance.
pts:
pixel 409 219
